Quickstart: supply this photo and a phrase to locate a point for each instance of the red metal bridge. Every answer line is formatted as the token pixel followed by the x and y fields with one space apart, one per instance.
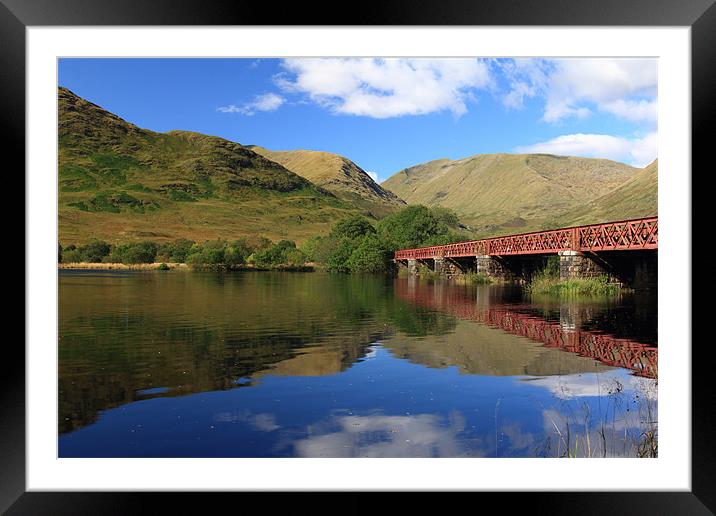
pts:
pixel 623 235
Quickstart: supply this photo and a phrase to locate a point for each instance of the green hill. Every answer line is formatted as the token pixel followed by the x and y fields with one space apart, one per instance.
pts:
pixel 509 193
pixel 338 175
pixel 118 182
pixel 636 198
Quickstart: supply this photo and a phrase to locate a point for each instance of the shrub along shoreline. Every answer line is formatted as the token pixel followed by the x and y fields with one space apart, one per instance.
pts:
pixel 254 253
pixel 354 245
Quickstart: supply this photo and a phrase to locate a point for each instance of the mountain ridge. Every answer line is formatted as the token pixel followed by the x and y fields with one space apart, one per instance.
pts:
pixel 337 174
pixel 119 182
pixel 506 193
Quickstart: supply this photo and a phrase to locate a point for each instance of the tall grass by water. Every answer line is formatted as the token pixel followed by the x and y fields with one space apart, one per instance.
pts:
pixel 624 425
pixel 553 286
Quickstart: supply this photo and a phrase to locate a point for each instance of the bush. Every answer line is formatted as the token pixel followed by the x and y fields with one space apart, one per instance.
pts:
pixel 209 253
pixel 354 245
pixel 95 251
pixel 71 256
pixel 283 253
pixel 414 226
pixel 140 252
pixel 237 252
pixel 352 228
pixel 371 255
pixel 176 251
pixel 338 259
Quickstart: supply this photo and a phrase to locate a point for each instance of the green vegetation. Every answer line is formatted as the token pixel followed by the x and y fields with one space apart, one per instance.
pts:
pixel 597 286
pixel 547 283
pixel 282 253
pixel 476 278
pixel 256 251
pixel 354 245
pixel 114 202
pixel 139 252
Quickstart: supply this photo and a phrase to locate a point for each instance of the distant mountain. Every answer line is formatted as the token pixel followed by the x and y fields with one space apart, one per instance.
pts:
pixel 508 193
pixel 119 182
pixel 637 197
pixel 338 175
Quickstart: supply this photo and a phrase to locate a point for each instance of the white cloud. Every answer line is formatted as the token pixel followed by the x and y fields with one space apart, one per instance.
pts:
pixel 626 88
pixel 527 78
pixel 633 110
pixel 638 152
pixel 385 88
pixel 373 176
pixel 265 102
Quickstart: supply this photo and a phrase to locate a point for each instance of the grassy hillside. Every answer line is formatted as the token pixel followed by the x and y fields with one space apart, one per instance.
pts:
pixel 118 182
pixel 509 193
pixel 635 198
pixel 338 175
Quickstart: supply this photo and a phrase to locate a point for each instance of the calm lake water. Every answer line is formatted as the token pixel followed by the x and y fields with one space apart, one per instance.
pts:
pixel 263 364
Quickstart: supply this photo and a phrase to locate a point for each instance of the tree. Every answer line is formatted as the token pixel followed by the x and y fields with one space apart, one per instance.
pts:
pixel 411 227
pixel 283 253
pixel 237 252
pixel 95 251
pixel 352 227
pixel 371 255
pixel 338 259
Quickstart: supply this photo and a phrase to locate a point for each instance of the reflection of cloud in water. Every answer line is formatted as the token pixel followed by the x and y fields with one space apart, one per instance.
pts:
pixel 264 422
pixel 420 435
pixel 596 384
pixel 372 351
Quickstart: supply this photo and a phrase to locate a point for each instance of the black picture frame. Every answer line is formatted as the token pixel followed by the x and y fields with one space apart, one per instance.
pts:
pixel 16 15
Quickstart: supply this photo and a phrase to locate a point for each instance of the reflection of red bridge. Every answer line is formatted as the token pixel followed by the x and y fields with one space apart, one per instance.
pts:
pixel 610 350
pixel 627 235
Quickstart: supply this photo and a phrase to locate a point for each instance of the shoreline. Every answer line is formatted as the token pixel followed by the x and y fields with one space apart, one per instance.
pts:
pixel 177 266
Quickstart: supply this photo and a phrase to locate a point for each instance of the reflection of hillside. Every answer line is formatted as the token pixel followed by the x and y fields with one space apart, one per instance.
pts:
pixel 188 333
pixel 478 349
pixel 567 333
pixel 332 356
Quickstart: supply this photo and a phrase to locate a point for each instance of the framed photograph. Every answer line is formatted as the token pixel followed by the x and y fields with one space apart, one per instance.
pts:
pixel 435 248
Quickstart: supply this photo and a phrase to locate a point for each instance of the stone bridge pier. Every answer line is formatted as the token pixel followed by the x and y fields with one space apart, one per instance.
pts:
pixel 635 269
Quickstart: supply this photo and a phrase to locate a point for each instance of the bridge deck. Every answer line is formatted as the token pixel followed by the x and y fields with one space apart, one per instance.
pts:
pixel 636 234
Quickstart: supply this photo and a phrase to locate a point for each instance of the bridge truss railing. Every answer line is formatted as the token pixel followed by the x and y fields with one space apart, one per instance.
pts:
pixel 636 234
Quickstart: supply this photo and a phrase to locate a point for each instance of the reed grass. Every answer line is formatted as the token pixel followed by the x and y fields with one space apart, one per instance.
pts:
pixel 543 284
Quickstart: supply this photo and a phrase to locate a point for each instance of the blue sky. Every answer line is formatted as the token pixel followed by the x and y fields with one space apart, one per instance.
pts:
pixel 388 114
